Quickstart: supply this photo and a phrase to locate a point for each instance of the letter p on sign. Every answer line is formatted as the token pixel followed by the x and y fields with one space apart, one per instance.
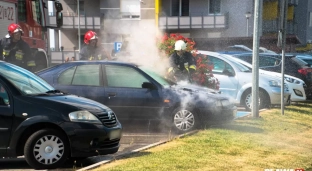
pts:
pixel 117 46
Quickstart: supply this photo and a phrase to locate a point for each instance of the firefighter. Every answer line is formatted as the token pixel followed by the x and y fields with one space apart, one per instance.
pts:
pixel 182 64
pixel 90 51
pixel 15 50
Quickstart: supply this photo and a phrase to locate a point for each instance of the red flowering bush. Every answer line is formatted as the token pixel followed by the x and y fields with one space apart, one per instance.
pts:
pixel 203 75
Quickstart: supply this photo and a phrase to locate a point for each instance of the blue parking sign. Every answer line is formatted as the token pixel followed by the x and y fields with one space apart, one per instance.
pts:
pixel 117 46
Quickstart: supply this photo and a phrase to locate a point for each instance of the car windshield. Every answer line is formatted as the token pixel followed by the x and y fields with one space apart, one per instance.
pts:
pixel 308 61
pixel 160 79
pixel 27 82
pixel 241 67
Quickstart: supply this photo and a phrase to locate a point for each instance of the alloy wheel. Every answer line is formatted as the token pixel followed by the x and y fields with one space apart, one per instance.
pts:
pixel 184 120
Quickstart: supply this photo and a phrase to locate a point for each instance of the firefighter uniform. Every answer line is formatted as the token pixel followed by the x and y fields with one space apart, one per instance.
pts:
pixel 90 53
pixel 182 66
pixel 18 53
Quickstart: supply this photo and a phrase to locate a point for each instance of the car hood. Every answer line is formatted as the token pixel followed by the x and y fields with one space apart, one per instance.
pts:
pixel 70 101
pixel 277 75
pixel 184 89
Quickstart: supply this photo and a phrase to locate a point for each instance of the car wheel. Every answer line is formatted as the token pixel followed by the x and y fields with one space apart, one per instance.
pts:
pixel 184 120
pixel 46 149
pixel 264 100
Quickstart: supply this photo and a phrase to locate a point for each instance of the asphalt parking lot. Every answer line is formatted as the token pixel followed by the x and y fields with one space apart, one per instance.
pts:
pixel 134 137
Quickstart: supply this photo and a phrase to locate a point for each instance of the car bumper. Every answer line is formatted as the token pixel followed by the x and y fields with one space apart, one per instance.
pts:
pixel 208 115
pixel 275 95
pixel 91 140
pixel 297 93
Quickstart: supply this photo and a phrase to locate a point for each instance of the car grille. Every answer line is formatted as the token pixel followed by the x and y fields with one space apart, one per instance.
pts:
pixel 108 119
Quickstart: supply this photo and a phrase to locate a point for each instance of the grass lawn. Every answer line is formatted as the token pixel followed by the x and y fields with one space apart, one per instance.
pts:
pixel 272 141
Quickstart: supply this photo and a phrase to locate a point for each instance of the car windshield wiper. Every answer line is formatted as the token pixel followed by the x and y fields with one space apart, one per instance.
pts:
pixel 54 92
pixel 50 92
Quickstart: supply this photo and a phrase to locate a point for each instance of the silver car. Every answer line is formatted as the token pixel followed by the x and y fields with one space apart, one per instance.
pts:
pixel 236 82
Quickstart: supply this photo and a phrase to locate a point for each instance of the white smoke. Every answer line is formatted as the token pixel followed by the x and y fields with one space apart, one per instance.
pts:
pixel 142 45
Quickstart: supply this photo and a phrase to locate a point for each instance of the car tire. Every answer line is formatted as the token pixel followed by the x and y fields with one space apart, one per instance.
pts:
pixel 184 120
pixel 264 100
pixel 46 149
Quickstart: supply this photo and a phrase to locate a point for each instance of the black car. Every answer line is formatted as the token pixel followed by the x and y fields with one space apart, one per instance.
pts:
pixel 293 67
pixel 138 93
pixel 48 126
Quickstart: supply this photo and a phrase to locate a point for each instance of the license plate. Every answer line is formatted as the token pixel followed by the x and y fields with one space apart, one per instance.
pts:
pixel 115 134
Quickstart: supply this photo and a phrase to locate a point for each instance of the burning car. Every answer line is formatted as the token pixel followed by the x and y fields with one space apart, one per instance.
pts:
pixel 138 93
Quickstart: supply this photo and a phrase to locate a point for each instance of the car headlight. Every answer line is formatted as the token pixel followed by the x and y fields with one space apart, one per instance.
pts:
pixel 291 80
pixel 225 103
pixel 274 83
pixel 83 116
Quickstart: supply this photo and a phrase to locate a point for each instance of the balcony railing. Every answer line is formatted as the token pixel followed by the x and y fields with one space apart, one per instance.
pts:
pixel 272 26
pixel 70 20
pixel 194 21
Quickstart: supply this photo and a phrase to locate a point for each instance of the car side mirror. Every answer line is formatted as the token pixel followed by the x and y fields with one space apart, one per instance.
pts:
pixel 228 73
pixel 2 102
pixel 148 85
pixel 58 6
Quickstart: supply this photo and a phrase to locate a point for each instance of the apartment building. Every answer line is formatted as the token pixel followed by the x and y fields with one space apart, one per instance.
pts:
pixel 214 24
pixel 303 18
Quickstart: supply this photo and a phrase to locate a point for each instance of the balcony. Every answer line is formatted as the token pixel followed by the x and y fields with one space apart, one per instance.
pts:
pixel 272 26
pixel 70 21
pixel 212 21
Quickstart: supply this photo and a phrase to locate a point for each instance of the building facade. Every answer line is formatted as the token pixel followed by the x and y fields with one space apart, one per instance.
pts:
pixel 213 24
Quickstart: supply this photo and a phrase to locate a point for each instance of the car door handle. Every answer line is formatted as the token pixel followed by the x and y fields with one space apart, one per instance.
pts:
pixel 112 94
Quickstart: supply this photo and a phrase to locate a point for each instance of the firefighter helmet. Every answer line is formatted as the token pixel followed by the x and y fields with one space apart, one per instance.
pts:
pixel 90 35
pixel 14 28
pixel 180 45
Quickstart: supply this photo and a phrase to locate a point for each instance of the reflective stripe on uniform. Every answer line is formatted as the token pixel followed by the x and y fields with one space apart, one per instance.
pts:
pixel 91 58
pixel 170 69
pixel 31 63
pixel 99 57
pixel 19 55
pixel 6 52
pixel 193 67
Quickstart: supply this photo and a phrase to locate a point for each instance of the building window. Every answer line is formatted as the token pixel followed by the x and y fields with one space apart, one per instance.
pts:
pixel 180 7
pixel 21 10
pixel 214 6
pixel 130 9
pixel 310 19
pixel 81 8
pixel 36 11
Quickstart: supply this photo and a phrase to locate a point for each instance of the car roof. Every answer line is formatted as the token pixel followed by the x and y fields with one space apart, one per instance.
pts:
pixel 266 54
pixel 103 62
pixel 73 63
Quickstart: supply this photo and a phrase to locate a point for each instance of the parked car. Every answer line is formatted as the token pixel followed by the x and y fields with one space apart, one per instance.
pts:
pixel 295 85
pixel 48 126
pixel 236 82
pixel 304 59
pixel 138 93
pixel 237 49
pixel 293 67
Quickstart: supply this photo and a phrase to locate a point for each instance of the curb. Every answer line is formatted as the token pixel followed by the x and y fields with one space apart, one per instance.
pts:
pixel 250 115
pixel 93 166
